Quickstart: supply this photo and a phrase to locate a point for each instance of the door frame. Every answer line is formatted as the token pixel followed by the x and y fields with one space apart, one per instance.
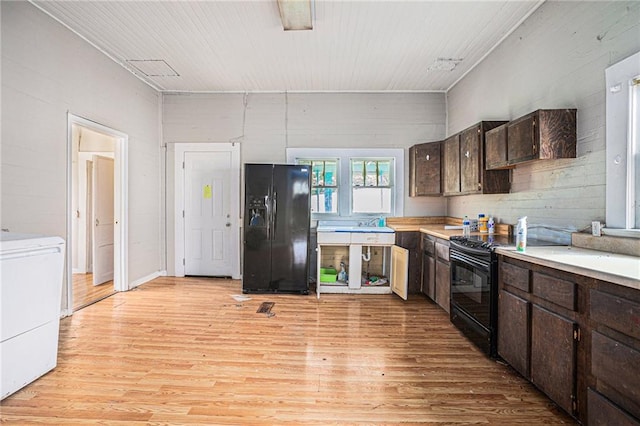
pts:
pixel 120 238
pixel 176 238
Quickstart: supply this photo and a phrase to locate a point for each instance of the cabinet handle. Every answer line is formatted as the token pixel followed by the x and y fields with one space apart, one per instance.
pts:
pixel 428 157
pixel 466 154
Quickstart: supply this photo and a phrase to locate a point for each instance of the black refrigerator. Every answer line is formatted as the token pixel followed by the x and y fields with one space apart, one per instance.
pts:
pixel 276 228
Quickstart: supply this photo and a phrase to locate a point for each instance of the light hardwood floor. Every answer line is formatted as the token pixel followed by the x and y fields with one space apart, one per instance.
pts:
pixel 85 293
pixel 183 351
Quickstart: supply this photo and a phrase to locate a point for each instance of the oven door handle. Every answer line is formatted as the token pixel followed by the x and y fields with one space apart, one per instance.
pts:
pixel 463 258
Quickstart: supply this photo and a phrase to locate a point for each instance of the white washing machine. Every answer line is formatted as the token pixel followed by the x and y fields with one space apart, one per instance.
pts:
pixel 31 274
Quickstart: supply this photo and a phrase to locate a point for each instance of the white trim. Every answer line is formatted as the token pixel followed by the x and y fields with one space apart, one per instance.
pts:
pixel 175 202
pixel 148 278
pixel 120 275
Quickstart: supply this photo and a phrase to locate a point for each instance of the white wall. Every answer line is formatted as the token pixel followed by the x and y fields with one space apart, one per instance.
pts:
pixel 556 59
pixel 48 71
pixel 267 124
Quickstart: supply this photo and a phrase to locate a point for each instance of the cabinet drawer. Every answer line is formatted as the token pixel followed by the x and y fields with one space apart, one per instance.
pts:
pixel 617 365
pixel 373 238
pixel 603 412
pixel 334 238
pixel 555 290
pixel 615 312
pixel 515 276
pixel 442 251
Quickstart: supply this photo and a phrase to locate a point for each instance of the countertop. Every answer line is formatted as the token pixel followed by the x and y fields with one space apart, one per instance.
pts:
pixel 616 268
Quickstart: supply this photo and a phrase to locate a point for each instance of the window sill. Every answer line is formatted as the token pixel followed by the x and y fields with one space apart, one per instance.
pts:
pixel 628 233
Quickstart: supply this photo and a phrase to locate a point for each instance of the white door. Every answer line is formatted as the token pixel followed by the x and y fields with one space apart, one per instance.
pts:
pixel 207 214
pixel 103 219
pixel 400 271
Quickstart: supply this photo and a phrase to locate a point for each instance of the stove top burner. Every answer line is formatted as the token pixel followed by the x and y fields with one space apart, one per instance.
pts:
pixel 489 242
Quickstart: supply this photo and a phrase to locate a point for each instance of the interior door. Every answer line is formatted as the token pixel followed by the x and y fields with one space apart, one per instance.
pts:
pixel 102 193
pixel 400 271
pixel 207 214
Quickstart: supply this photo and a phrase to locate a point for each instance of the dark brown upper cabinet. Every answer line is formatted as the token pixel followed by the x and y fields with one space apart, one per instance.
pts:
pixel 425 169
pixel 451 165
pixel 474 177
pixel 542 134
pixel 495 145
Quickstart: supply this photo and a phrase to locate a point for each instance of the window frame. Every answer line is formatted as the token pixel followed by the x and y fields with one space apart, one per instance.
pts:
pixel 337 178
pixel 354 187
pixel 344 156
pixel 622 145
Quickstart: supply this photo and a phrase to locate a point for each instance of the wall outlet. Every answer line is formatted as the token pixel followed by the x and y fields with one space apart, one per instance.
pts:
pixel 596 228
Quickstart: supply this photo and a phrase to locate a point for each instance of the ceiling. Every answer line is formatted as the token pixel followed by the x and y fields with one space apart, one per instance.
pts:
pixel 236 45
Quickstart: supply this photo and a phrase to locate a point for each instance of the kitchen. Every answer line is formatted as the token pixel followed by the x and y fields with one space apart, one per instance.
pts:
pixel 522 74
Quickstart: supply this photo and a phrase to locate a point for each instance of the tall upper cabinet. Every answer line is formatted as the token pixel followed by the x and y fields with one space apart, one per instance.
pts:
pixel 464 167
pixel 425 169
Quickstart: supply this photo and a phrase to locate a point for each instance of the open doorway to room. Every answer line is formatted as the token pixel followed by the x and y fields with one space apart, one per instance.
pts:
pixel 96 214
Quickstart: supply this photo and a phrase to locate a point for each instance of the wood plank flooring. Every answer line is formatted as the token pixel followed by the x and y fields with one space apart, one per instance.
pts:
pixel 183 351
pixel 85 293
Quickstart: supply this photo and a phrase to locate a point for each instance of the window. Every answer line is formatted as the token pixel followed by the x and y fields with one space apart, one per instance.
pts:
pixel 371 186
pixel 623 144
pixel 324 185
pixel 355 183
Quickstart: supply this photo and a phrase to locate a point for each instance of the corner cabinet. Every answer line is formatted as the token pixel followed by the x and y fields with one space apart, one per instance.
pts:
pixel 464 164
pixel 542 134
pixel 425 169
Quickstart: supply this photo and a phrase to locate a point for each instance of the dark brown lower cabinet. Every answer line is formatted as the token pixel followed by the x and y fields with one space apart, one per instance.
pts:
pixel 443 274
pixel 513 333
pixel 429 266
pixel 575 338
pixel 553 356
pixel 410 240
pixel 603 412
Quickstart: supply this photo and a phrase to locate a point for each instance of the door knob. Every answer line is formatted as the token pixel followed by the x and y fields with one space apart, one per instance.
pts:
pixel 97 222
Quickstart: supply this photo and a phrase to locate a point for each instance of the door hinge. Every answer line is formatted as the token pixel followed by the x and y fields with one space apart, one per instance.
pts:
pixel 577 335
pixel 183 262
pixel 183 164
pixel 182 213
pixel 574 404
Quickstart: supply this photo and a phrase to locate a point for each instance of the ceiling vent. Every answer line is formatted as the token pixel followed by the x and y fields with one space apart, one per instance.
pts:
pixel 444 64
pixel 296 14
pixel 153 67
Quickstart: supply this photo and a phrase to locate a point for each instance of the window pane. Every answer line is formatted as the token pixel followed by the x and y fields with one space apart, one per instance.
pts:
pixel 371 174
pixel 324 200
pixel 318 173
pixel 384 170
pixel 371 200
pixel 330 174
pixel 357 173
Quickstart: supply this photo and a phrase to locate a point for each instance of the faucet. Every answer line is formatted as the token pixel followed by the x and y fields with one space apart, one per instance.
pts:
pixel 370 222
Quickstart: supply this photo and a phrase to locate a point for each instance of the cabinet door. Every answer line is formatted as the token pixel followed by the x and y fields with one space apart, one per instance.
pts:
pixel 470 160
pixel 521 140
pixel 553 356
pixel 513 331
pixel 451 165
pixel 495 145
pixel 399 271
pixel 429 276
pixel 425 170
pixel 443 284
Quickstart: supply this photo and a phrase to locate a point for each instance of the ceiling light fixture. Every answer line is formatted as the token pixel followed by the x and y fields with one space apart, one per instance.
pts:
pixel 444 64
pixel 295 14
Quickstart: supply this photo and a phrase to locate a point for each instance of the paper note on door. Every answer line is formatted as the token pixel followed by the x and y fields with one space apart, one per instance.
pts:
pixel 206 192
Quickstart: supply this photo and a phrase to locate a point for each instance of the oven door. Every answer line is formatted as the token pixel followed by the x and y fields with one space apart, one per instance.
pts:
pixel 471 285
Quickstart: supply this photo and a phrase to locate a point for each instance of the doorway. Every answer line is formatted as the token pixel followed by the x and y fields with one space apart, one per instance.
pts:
pixel 206 206
pixel 96 231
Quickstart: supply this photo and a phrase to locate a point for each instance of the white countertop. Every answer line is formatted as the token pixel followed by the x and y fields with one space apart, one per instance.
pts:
pixel 617 268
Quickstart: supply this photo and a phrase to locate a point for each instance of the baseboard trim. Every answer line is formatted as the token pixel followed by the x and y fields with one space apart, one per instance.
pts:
pixel 146 279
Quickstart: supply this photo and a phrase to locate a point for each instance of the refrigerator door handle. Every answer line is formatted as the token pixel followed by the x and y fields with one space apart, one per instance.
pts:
pixel 274 214
pixel 267 205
